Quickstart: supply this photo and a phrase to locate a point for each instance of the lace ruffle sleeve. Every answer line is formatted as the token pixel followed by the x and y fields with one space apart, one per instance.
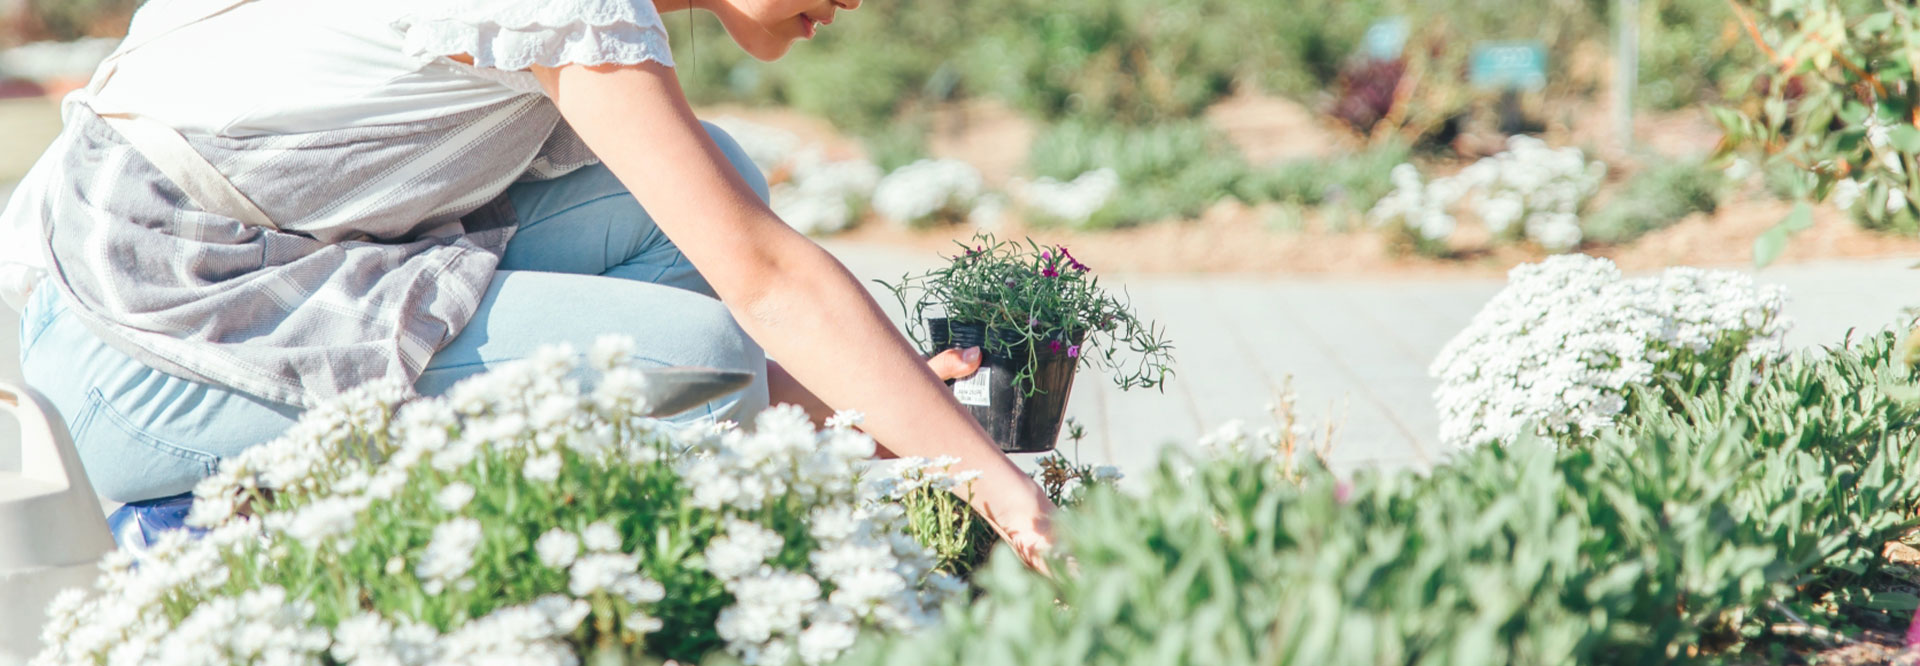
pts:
pixel 513 35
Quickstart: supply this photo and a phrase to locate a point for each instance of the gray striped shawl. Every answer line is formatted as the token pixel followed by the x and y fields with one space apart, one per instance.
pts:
pixel 391 236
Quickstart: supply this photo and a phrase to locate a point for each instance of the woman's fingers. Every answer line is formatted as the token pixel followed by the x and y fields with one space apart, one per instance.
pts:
pixel 1033 550
pixel 955 363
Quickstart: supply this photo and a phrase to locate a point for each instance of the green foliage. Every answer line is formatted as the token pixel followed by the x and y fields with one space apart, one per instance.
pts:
pixel 961 541
pixel 74 19
pixel 897 145
pixel 1837 100
pixel 1691 51
pixel 1032 299
pixel 1656 198
pixel 1168 171
pixel 1354 181
pixel 1684 529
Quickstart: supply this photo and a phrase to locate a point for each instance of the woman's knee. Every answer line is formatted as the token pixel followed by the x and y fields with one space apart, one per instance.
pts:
pixel 718 342
pixel 741 162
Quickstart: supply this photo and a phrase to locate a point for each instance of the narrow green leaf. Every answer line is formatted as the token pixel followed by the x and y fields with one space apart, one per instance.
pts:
pixel 1801 219
pixel 1769 246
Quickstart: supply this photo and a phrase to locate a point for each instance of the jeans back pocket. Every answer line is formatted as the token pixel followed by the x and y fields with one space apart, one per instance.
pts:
pixel 125 463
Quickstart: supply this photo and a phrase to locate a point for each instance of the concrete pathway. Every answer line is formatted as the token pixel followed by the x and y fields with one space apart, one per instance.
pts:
pixel 1355 350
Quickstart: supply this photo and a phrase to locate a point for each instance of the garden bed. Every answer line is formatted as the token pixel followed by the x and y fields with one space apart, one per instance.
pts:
pixel 1234 237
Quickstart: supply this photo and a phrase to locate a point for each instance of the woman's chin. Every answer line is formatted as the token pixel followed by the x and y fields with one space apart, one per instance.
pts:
pixel 769 52
pixel 760 44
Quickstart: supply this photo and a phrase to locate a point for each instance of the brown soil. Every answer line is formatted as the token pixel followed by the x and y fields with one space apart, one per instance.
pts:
pixel 1271 129
pixel 1231 238
pixel 1234 238
pixel 985 134
pixel 1726 238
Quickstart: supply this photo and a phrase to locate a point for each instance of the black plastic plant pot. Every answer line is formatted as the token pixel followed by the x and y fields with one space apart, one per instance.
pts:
pixel 1020 421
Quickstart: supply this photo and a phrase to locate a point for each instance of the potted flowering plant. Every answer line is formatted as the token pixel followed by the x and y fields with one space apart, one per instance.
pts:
pixel 1038 315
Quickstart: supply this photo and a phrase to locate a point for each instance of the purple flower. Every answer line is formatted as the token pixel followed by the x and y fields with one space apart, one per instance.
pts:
pixel 1033 321
pixel 1075 263
pixel 1049 271
pixel 1011 283
pixel 1073 351
pixel 1054 345
pixel 1343 492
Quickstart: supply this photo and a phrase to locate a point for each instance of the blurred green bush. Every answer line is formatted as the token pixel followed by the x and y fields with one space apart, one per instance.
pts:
pixel 1168 171
pixel 1655 199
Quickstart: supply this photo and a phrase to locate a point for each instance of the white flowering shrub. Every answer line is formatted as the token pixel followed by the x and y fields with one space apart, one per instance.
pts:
pixel 41 61
pixel 929 191
pixel 1531 191
pixel 1534 191
pixel 826 197
pixel 1419 212
pixel 812 194
pixel 771 148
pixel 520 519
pixel 1073 203
pixel 1562 349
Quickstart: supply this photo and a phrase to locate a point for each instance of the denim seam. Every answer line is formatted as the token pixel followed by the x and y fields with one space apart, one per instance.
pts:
pixel 102 408
pixel 39 330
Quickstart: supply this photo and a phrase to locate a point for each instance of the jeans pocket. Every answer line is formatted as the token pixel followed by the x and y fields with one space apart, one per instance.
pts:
pixel 125 463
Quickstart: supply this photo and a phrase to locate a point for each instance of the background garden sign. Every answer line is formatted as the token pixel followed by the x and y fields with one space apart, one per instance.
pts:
pixel 1341 333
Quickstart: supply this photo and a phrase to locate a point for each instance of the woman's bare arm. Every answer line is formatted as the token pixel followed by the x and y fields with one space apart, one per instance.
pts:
pixel 794 298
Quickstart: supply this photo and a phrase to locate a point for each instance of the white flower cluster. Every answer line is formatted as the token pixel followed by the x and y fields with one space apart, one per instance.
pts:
pixel 864 569
pixel 1531 190
pixel 928 191
pixel 813 194
pixel 1419 208
pixel 1071 203
pixel 1557 351
pixel 845 563
pixel 827 198
pixel 41 61
pixel 901 477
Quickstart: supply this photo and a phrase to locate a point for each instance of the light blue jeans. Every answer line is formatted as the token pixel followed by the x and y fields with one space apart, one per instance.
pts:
pixel 586 261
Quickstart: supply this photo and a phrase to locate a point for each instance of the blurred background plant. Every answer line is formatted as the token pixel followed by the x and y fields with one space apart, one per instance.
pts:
pixel 1129 112
pixel 1835 100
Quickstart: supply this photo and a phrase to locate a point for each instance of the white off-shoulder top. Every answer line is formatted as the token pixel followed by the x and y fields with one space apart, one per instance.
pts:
pixel 380 160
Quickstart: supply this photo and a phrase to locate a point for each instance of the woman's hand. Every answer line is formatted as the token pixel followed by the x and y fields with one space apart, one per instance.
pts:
pixel 1028 533
pixel 955 363
pixel 788 294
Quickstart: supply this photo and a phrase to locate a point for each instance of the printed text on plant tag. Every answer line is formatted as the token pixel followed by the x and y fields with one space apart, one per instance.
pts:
pixel 974 390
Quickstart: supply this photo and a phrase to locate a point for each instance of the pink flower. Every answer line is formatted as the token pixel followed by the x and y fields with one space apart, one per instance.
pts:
pixel 1075 263
pixel 1913 632
pixel 1053 345
pixel 1073 351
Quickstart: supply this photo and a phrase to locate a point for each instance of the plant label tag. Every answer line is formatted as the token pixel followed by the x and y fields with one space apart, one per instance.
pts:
pixel 975 390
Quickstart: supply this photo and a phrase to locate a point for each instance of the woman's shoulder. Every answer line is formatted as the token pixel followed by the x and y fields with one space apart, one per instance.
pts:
pixel 515 34
pixel 521 15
